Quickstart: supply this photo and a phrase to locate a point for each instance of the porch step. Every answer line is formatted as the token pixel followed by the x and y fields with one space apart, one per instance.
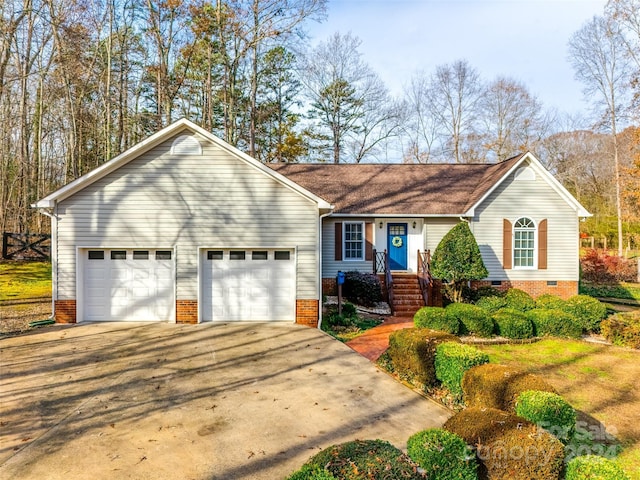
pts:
pixel 407 297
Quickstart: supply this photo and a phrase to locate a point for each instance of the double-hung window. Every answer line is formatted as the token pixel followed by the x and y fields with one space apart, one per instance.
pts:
pixel 524 235
pixel 353 240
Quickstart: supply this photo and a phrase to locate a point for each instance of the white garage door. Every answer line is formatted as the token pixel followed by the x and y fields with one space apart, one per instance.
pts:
pixel 248 285
pixel 128 285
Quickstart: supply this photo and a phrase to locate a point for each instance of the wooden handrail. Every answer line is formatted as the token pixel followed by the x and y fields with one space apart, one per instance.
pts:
pixel 424 276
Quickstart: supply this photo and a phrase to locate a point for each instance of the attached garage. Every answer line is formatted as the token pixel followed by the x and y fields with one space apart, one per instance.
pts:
pixel 248 284
pixel 127 284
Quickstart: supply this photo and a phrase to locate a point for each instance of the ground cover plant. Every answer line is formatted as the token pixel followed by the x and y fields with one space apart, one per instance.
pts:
pixel 623 329
pixel 442 455
pixel 349 324
pixel 622 290
pixel 599 381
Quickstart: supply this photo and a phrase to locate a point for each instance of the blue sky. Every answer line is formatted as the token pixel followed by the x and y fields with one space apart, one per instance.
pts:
pixel 521 39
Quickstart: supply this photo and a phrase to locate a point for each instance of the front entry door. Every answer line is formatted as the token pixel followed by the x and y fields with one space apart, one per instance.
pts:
pixel 397 245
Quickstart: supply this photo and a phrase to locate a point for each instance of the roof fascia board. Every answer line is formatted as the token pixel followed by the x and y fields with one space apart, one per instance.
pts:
pixel 152 141
pixel 550 179
pixel 398 215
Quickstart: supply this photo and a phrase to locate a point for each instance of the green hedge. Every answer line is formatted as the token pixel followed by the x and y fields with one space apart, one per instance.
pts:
pixel 498 386
pixel 443 455
pixel 508 446
pixel 519 300
pixel 360 460
pixel 512 323
pixel 436 318
pixel 452 360
pixel 554 323
pixel 550 301
pixel 412 352
pixel 593 467
pixel 473 319
pixel 492 304
pixel 588 311
pixel 549 411
pixel 622 329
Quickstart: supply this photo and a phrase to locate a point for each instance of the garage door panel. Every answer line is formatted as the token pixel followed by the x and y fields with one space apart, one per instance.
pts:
pixel 117 287
pixel 254 287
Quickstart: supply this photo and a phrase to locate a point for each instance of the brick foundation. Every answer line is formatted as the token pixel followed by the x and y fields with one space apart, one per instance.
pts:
pixel 535 288
pixel 187 311
pixel 307 312
pixel 65 311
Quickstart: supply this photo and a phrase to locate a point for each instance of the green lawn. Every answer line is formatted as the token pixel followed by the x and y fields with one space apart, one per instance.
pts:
pixel 24 280
pixel 623 290
pixel 598 380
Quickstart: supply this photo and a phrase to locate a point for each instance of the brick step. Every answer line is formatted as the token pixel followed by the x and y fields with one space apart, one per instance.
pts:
pixel 407 296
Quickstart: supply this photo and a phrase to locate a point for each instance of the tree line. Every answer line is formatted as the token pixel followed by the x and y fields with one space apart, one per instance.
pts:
pixel 83 80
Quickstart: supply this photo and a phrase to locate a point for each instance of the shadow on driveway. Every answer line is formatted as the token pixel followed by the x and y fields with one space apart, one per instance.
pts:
pixel 216 401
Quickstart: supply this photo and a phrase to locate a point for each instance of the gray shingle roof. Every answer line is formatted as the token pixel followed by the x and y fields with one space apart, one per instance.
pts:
pixel 402 189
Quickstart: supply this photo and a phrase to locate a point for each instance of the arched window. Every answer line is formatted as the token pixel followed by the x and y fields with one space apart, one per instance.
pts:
pixel 524 243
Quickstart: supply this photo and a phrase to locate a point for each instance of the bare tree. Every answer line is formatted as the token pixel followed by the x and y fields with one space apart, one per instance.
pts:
pixel 420 125
pixel 512 119
pixel 456 90
pixel 596 52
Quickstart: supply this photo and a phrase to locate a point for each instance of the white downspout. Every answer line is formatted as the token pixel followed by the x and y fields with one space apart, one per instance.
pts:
pixel 54 256
pixel 323 216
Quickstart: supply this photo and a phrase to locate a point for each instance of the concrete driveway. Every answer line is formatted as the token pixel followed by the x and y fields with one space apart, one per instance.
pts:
pixel 162 401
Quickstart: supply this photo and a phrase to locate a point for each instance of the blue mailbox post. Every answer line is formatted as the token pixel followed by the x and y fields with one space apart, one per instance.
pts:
pixel 340 282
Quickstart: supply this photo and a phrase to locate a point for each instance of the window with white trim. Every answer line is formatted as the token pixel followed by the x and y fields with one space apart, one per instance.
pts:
pixel 524 243
pixel 353 240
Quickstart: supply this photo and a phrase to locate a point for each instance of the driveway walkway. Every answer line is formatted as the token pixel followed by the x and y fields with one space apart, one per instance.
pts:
pixel 373 343
pixel 161 401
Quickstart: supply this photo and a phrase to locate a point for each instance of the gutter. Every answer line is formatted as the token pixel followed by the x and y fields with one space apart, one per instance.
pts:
pixel 48 211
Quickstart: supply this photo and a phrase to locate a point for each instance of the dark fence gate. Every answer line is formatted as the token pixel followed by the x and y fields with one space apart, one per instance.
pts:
pixel 26 246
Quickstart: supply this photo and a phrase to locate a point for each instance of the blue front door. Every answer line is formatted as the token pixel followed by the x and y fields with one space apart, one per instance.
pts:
pixel 397 245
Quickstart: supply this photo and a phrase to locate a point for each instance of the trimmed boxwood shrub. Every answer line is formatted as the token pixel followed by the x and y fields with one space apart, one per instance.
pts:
pixel 492 304
pixel 362 288
pixel 412 352
pixel 508 446
pixel 594 467
pixel 436 318
pixel 473 319
pixel 622 329
pixel 498 386
pixel 308 472
pixel 550 301
pixel 519 300
pixel 452 360
pixel 549 411
pixel 512 323
pixel 364 459
pixel 554 322
pixel 442 455
pixel 588 311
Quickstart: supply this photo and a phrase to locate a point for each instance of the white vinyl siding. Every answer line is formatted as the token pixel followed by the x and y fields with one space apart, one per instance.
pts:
pixel 188 201
pixel 536 200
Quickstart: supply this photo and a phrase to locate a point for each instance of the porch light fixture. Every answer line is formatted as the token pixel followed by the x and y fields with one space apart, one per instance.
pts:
pixel 380 224
pixel 414 224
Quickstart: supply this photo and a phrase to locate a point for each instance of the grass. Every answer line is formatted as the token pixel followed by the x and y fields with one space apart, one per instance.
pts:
pixel 622 290
pixel 25 280
pixel 598 380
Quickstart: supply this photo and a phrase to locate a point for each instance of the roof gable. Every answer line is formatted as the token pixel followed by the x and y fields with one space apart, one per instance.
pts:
pixel 156 139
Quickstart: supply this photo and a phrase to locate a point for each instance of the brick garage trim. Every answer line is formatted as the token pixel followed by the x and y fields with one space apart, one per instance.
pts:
pixel 564 288
pixel 187 311
pixel 65 311
pixel 307 312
